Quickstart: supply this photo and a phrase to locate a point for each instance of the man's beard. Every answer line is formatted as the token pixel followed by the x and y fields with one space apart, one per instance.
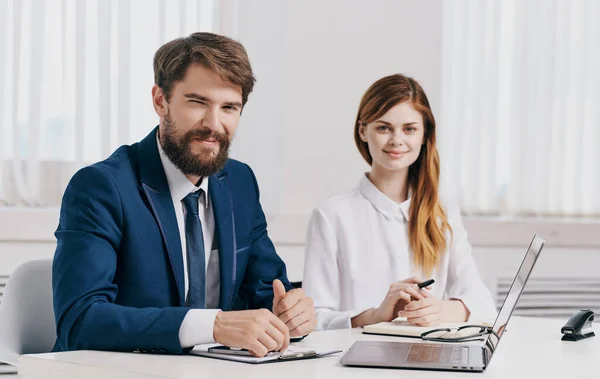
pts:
pixel 178 150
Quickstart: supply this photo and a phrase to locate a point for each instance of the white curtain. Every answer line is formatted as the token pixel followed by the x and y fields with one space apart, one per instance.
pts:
pixel 520 121
pixel 76 79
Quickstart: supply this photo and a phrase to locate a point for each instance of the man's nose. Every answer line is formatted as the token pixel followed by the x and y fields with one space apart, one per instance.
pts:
pixel 212 120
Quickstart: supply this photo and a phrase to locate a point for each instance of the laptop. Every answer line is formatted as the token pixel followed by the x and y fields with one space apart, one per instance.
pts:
pixel 446 356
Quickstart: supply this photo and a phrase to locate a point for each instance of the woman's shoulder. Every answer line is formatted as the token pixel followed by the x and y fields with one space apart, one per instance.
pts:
pixel 334 205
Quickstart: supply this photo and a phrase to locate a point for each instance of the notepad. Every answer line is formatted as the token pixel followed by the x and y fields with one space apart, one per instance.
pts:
pixel 292 353
pixel 402 328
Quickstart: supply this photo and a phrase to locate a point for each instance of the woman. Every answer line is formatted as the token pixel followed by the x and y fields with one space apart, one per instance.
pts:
pixel 368 249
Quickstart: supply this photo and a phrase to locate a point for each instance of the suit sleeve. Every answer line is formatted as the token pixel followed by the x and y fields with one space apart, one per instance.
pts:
pixel 88 239
pixel 264 265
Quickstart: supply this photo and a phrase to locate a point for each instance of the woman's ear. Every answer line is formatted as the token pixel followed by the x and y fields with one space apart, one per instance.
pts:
pixel 362 128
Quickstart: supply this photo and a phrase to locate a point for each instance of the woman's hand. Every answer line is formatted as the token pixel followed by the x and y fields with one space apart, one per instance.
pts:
pixel 430 311
pixel 424 312
pixel 398 296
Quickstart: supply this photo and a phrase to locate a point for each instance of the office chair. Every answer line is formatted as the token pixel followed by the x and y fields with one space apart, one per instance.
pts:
pixel 26 313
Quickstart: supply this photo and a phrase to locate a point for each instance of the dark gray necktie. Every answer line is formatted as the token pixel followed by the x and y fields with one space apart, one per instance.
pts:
pixel 196 296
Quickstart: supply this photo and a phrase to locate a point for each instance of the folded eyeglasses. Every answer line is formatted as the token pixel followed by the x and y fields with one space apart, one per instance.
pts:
pixel 464 333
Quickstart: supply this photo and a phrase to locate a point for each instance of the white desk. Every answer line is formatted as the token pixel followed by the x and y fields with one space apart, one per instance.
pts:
pixel 530 349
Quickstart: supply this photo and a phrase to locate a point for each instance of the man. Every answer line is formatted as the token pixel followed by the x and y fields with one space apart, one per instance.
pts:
pixel 164 245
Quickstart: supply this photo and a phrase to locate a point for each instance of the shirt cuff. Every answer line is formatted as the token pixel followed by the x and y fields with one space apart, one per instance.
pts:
pixel 197 327
pixel 328 319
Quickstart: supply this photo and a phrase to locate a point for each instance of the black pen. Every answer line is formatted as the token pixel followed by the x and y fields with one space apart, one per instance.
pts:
pixel 426 283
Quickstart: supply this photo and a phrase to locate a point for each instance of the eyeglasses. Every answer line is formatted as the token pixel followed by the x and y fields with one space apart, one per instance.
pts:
pixel 465 333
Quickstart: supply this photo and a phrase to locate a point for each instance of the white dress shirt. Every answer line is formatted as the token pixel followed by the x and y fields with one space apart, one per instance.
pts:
pixel 197 326
pixel 357 245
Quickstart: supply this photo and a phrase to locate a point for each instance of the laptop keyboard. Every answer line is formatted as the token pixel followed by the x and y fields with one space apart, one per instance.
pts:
pixel 438 354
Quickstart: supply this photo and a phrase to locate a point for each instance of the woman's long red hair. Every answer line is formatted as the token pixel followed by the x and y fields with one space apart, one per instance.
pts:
pixel 428 223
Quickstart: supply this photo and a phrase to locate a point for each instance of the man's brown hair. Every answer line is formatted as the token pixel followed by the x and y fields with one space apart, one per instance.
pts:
pixel 218 53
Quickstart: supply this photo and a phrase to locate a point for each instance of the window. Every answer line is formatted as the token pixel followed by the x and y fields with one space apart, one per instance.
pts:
pixel 520 122
pixel 76 81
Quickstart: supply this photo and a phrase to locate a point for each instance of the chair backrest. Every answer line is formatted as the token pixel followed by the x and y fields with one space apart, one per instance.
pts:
pixel 26 313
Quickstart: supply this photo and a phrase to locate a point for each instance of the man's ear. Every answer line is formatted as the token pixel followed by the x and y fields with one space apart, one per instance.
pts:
pixel 362 128
pixel 159 101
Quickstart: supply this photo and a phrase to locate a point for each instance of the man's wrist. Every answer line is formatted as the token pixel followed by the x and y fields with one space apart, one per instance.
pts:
pixel 197 327
pixel 217 325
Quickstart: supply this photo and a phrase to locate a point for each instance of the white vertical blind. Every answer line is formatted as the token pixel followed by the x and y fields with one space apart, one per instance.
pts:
pixel 104 86
pixel 35 100
pixel 124 71
pixel 3 57
pixel 80 82
pixel 520 125
pixel 16 96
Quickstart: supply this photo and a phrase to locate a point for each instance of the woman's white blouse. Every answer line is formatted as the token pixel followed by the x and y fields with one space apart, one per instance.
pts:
pixel 357 246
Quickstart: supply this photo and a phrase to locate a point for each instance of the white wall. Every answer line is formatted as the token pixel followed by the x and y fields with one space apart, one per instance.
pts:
pixel 313 60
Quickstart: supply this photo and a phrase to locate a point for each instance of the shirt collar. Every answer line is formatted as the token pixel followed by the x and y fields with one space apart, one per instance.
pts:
pixel 179 185
pixel 382 203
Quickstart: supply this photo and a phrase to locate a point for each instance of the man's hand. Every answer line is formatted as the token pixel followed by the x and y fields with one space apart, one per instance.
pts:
pixel 295 309
pixel 258 331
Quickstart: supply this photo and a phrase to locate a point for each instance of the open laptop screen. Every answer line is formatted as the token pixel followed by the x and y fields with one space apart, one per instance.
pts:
pixel 513 295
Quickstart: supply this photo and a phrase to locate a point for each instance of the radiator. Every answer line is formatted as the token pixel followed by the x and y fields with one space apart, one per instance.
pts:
pixel 556 297
pixel 4 368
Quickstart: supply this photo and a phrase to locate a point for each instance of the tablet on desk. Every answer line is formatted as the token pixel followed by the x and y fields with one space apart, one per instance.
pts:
pixel 242 355
pixel 233 351
pixel 230 351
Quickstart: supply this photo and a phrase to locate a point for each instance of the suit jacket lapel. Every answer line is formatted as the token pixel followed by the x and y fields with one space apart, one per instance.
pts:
pixel 155 186
pixel 220 195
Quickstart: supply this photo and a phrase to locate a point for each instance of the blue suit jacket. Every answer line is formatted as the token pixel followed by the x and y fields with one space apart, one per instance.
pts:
pixel 118 276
